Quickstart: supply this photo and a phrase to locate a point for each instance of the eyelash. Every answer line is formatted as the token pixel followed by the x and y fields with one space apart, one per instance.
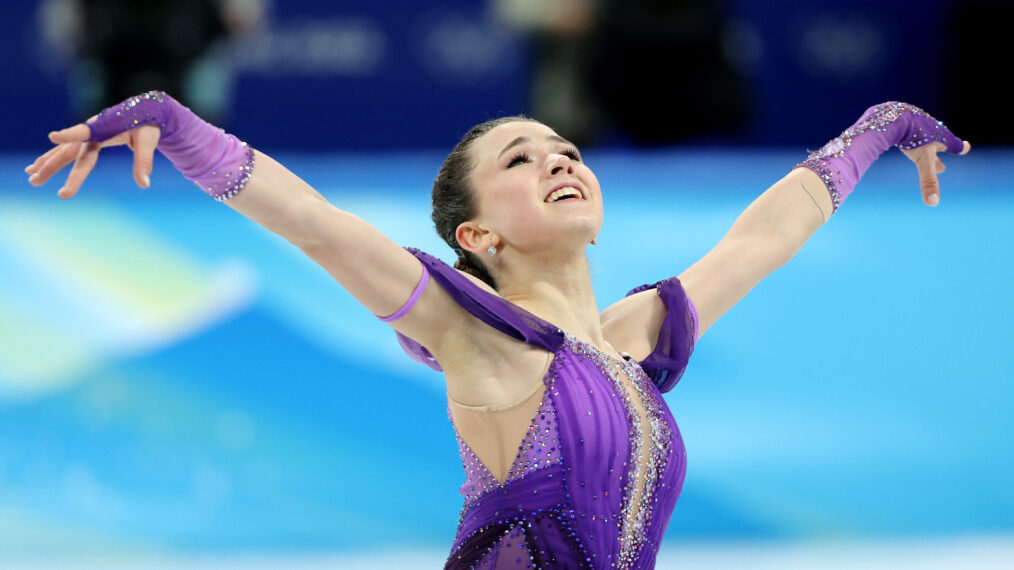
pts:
pixel 522 157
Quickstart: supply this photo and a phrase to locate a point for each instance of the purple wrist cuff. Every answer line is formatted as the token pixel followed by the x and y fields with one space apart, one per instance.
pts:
pixel 219 163
pixel 139 110
pixel 411 300
pixel 842 161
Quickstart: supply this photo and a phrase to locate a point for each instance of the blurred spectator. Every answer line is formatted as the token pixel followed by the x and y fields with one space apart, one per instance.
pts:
pixel 561 33
pixel 653 70
pixel 123 47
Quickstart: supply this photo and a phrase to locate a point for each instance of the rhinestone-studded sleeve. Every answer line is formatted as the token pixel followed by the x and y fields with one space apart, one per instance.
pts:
pixel 676 336
pixel 217 162
pixel 843 160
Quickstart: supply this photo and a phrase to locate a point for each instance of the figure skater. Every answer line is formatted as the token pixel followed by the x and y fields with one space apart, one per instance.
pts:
pixel 572 458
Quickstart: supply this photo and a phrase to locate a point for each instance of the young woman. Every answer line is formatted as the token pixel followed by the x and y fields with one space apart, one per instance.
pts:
pixel 572 457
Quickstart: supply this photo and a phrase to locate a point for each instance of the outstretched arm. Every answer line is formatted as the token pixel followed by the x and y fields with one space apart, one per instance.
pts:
pixel 375 270
pixel 777 224
pixel 765 236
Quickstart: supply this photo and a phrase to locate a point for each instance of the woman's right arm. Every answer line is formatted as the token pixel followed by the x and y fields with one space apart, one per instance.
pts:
pixel 368 264
pixel 374 269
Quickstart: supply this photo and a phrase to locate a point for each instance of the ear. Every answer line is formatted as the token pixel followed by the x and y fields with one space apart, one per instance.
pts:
pixel 474 238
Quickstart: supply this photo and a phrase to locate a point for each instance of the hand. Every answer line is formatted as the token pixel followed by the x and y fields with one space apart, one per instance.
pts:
pixel 843 160
pixel 72 145
pixel 929 165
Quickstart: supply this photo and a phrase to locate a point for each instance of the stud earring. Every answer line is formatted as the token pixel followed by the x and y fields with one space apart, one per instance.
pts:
pixel 594 242
pixel 491 250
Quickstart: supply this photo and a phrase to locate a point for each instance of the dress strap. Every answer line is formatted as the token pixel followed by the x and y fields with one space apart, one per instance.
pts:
pixel 489 308
pixel 676 336
pixel 411 300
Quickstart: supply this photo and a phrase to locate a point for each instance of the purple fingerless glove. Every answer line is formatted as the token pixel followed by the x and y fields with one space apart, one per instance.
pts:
pixel 219 163
pixel 844 160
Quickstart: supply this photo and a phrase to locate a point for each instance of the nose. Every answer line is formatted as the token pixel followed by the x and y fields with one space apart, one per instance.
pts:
pixel 560 163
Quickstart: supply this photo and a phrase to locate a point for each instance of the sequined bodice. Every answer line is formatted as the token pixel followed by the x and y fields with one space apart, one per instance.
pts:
pixel 598 471
pixel 603 440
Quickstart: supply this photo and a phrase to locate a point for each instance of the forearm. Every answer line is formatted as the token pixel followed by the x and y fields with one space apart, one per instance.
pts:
pixel 282 202
pixel 366 262
pixel 378 272
pixel 784 216
pixel 764 237
pixel 224 167
pixel 777 224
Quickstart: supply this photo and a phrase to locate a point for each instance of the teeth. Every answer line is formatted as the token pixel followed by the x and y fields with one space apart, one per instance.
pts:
pixel 568 191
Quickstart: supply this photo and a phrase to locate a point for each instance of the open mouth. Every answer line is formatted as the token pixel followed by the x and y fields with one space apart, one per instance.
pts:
pixel 565 193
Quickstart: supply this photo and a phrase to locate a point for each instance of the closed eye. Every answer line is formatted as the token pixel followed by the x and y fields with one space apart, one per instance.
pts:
pixel 572 154
pixel 519 158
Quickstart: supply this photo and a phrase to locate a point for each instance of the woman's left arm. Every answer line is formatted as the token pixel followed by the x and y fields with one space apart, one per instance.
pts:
pixel 765 236
pixel 777 224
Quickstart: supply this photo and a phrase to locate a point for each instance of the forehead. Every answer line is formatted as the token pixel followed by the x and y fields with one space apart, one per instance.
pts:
pixel 491 143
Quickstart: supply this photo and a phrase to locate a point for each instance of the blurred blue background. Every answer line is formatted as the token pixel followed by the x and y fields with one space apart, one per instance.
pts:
pixel 181 388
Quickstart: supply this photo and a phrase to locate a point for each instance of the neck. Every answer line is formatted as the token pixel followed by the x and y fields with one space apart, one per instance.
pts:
pixel 558 290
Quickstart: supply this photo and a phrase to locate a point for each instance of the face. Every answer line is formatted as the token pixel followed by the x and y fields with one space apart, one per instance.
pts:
pixel 532 189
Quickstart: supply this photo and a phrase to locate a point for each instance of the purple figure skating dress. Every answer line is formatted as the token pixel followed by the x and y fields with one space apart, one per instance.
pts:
pixel 597 474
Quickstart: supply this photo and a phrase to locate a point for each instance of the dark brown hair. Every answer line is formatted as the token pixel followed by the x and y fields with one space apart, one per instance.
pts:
pixel 454 198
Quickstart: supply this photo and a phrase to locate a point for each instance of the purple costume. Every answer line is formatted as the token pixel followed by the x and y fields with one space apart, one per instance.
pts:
pixel 598 472
pixel 601 464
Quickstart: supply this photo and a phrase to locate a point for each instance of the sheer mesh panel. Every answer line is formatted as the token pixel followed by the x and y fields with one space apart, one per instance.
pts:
pixel 492 458
pixel 512 551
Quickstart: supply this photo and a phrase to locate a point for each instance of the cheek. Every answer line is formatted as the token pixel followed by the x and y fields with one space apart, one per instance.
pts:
pixel 505 208
pixel 592 179
pixel 516 215
pixel 511 194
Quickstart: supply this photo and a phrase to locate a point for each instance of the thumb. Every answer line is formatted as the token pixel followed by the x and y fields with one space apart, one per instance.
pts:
pixel 78 133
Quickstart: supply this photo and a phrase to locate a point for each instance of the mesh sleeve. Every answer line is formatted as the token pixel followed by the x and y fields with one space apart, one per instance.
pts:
pixel 676 336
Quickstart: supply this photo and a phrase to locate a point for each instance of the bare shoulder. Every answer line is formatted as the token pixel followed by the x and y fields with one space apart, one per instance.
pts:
pixel 482 366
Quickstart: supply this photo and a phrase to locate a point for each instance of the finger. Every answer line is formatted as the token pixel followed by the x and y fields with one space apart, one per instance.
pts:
pixel 122 138
pixel 86 160
pixel 928 183
pixel 940 166
pixel 55 161
pixel 37 164
pixel 78 133
pixel 966 148
pixel 144 153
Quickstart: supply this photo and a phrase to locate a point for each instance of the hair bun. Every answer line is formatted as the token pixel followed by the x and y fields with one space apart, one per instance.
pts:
pixel 464 264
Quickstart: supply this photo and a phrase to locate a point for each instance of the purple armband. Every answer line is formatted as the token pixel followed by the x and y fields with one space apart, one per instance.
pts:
pixel 843 160
pixel 411 300
pixel 219 163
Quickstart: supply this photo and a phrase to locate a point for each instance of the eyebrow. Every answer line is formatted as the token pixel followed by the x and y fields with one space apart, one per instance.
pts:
pixel 523 139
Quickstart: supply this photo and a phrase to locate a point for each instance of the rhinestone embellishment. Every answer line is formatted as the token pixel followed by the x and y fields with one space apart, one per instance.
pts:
pixel 877 118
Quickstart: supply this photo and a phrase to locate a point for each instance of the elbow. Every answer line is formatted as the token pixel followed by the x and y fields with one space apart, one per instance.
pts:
pixel 783 242
pixel 786 249
pixel 767 252
pixel 312 218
